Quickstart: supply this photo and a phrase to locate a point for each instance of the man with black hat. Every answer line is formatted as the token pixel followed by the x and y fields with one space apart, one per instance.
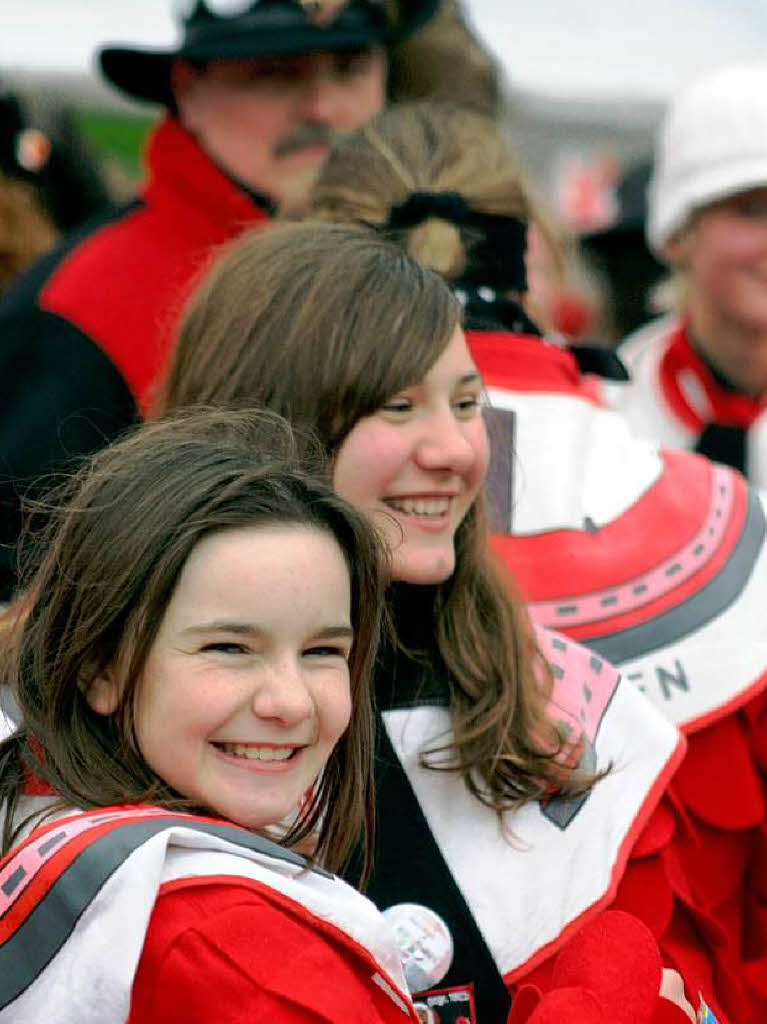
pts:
pixel 254 94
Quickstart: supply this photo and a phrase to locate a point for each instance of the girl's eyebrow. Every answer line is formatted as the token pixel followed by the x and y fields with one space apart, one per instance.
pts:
pixel 248 629
pixel 224 626
pixel 330 632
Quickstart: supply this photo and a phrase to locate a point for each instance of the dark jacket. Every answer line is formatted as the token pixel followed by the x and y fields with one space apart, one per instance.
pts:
pixel 84 333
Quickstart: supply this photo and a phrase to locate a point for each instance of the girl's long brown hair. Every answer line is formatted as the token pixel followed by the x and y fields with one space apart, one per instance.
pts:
pixel 323 323
pixel 115 545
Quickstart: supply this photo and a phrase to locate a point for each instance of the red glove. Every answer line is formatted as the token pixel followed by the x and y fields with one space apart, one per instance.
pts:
pixel 609 973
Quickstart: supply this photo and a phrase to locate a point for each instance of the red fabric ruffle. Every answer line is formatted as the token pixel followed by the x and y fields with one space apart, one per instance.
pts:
pixel 609 973
pixel 697 878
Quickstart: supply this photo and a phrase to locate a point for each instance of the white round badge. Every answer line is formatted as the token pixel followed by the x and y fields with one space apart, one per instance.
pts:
pixel 424 942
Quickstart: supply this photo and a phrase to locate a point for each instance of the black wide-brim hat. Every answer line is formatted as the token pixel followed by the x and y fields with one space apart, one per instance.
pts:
pixel 265 28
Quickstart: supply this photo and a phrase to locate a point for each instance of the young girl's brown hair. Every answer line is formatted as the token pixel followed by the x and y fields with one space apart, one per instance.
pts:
pixel 323 323
pixel 112 554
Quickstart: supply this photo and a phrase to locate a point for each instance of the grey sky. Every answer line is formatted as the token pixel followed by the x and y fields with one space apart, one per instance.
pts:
pixel 570 48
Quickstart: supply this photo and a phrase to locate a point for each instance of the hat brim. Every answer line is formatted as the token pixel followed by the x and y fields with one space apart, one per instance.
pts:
pixel 664 220
pixel 144 74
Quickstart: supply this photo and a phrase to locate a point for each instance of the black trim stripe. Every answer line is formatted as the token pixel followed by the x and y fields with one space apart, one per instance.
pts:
pixel 408 867
pixel 28 950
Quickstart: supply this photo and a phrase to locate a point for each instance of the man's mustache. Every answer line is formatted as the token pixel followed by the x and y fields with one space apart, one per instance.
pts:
pixel 310 134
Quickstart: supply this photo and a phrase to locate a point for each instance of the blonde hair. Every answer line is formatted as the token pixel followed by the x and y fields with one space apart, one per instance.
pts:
pixel 434 147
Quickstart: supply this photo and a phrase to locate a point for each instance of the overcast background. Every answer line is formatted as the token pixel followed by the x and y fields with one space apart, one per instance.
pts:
pixel 586 80
pixel 573 49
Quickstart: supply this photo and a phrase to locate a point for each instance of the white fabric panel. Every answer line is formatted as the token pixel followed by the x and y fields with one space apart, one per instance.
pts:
pixel 526 887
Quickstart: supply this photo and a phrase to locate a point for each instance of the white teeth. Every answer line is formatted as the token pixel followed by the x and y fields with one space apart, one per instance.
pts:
pixel 420 506
pixel 258 753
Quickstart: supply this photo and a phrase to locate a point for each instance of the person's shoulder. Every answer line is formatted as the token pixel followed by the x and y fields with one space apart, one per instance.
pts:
pixel 115 254
pixel 233 944
pixel 646 338
pixel 209 907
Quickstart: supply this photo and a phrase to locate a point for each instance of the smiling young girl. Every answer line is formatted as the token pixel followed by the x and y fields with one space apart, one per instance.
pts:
pixel 510 793
pixel 190 660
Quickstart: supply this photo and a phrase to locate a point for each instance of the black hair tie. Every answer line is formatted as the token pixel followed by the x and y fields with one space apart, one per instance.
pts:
pixel 420 206
pixel 495 244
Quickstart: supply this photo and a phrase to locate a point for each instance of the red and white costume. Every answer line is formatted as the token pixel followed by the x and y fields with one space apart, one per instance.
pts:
pixel 657 560
pixel 673 396
pixel 515 901
pixel 138 914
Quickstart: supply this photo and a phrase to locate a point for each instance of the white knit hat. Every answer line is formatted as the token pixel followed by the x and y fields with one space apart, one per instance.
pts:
pixel 712 143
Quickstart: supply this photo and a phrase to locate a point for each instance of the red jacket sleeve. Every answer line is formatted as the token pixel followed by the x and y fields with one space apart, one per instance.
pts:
pixel 225 953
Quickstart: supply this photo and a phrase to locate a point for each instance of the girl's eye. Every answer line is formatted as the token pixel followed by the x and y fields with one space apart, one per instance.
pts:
pixel 468 404
pixel 224 647
pixel 327 651
pixel 397 405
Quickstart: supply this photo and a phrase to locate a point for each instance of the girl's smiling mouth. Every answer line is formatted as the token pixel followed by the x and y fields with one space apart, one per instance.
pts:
pixel 266 754
pixel 430 507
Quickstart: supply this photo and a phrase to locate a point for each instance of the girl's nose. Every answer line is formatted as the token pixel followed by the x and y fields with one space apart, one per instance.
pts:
pixel 281 693
pixel 445 444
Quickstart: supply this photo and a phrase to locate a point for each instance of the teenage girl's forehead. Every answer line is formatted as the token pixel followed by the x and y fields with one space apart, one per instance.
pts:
pixel 455 365
pixel 232 574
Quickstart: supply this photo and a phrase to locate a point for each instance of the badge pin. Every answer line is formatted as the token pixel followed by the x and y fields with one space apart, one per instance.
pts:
pixel 424 942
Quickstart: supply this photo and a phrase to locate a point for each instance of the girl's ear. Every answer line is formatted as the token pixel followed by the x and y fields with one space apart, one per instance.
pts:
pixel 103 693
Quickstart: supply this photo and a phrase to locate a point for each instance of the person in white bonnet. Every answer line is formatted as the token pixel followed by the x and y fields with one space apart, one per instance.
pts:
pixel 699 376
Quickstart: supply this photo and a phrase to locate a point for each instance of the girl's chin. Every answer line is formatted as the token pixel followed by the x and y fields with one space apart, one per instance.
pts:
pixel 422 571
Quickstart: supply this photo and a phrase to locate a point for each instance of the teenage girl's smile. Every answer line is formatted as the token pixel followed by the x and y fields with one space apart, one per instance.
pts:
pixel 431 509
pixel 416 464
